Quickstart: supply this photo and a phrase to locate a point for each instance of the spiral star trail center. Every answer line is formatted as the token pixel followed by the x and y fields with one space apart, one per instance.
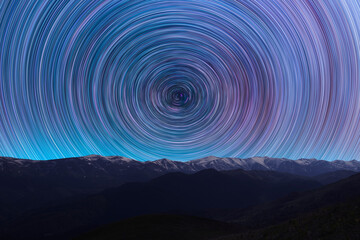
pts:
pixel 180 79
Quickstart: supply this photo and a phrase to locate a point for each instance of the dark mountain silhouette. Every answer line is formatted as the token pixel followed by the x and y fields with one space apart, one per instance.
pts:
pixel 28 184
pixel 331 177
pixel 74 194
pixel 338 221
pixel 331 212
pixel 170 193
pixel 297 204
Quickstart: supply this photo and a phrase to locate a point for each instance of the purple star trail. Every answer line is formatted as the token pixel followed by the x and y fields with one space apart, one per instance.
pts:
pixel 180 79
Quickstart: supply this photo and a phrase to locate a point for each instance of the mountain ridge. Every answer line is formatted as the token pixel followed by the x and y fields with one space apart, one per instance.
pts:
pixel 28 184
pixel 302 166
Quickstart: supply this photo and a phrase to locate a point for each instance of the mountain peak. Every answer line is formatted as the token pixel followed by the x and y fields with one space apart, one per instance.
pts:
pixel 206 159
pixel 171 166
pixel 304 161
pixel 95 157
pixel 91 156
pixel 164 160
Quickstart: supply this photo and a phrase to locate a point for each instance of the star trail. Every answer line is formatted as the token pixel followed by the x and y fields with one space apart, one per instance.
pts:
pixel 180 79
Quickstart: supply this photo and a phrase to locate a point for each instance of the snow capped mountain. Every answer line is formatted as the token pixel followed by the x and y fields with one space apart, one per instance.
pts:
pixel 217 163
pixel 109 158
pixel 115 165
pixel 304 167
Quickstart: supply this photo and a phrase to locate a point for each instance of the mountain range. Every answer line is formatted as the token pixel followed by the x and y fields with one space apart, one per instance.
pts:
pixel 59 199
pixel 130 169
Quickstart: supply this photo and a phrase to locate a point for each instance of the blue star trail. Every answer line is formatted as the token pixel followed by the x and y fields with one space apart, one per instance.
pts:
pixel 180 79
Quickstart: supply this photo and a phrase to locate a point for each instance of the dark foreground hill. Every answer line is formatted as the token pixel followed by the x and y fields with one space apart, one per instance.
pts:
pixel 171 193
pixel 297 204
pixel 336 222
pixel 331 177
pixel 162 227
pixel 340 221
pixel 331 212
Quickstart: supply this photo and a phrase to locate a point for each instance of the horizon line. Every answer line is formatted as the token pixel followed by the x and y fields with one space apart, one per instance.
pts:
pixel 84 156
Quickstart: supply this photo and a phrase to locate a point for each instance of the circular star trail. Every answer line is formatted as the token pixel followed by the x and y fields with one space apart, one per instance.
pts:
pixel 180 79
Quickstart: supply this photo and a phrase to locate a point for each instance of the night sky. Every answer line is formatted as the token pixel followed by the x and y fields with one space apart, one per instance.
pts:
pixel 180 79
